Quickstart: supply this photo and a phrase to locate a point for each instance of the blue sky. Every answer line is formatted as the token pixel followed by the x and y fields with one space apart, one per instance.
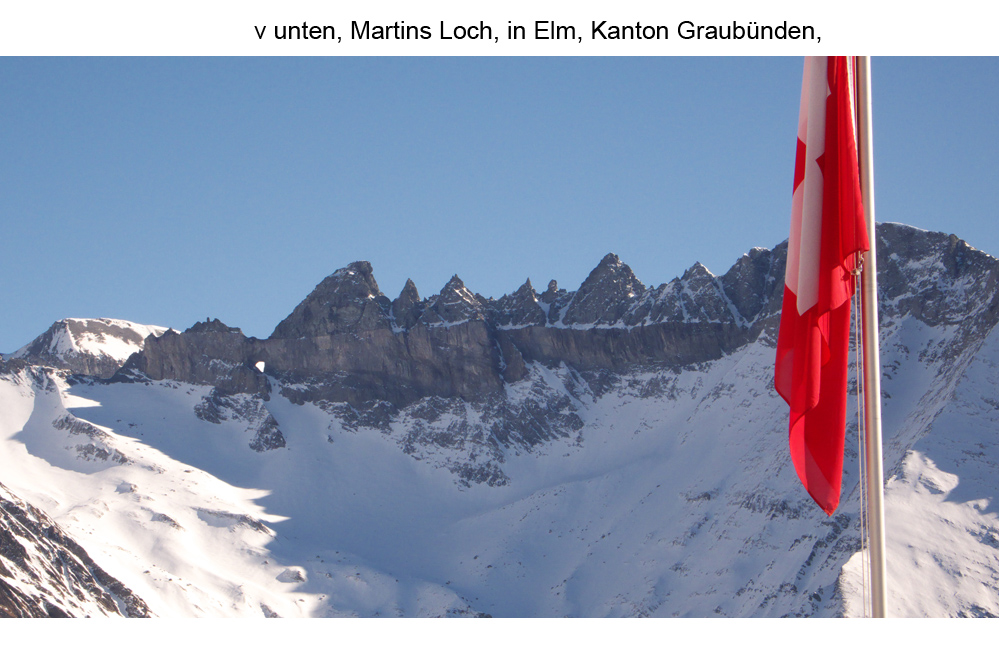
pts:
pixel 168 190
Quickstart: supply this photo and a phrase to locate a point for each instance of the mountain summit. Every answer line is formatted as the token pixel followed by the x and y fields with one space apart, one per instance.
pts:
pixel 96 347
pixel 606 295
pixel 348 300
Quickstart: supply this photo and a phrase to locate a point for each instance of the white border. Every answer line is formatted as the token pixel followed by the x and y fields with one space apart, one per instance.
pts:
pixel 226 27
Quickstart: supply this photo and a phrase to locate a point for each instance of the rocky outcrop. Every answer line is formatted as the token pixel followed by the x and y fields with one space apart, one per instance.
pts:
pixel 941 281
pixel 207 353
pixel 749 284
pixel 925 269
pixel 555 300
pixel 218 406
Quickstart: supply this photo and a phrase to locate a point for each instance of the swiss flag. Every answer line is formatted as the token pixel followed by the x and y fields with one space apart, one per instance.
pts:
pixel 827 232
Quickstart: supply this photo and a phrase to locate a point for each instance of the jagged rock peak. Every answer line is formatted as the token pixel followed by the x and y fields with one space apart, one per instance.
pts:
pixel 550 294
pixel 349 300
pixel 354 280
pixel 555 300
pixel 612 268
pixel 697 271
pixel 960 282
pixel 409 290
pixel 454 284
pixel 702 298
pixel 407 308
pixel 454 304
pixel 210 325
pixel 521 308
pixel 359 271
pixel 605 295
pixel 746 283
pixel 409 294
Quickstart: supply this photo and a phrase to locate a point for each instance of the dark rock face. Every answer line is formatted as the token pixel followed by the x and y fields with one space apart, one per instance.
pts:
pixel 618 349
pixel 550 294
pixel 212 326
pixel 748 283
pixel 450 361
pixel 45 573
pixel 703 298
pixel 924 288
pixel 555 300
pixel 207 353
pixel 940 280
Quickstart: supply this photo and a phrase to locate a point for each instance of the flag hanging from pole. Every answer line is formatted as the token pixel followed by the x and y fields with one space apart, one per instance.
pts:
pixel 827 232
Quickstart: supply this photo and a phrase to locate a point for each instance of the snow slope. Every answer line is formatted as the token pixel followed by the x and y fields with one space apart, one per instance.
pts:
pixel 676 499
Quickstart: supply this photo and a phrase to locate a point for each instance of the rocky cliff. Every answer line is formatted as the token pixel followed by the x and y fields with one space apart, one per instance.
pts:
pixel 347 342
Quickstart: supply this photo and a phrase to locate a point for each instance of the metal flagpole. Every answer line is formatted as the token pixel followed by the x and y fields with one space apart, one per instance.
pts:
pixel 872 356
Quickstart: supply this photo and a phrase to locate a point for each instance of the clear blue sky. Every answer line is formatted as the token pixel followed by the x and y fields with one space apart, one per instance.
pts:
pixel 167 190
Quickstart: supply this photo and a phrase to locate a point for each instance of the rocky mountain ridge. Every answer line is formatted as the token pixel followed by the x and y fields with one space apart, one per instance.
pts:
pixel 350 343
pixel 349 301
pixel 346 342
pixel 486 464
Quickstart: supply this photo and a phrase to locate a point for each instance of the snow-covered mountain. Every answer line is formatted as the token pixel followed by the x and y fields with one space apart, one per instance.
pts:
pixel 617 450
pixel 96 347
pixel 47 574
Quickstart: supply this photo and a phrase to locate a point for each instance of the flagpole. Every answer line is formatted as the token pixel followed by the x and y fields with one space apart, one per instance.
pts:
pixel 872 356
